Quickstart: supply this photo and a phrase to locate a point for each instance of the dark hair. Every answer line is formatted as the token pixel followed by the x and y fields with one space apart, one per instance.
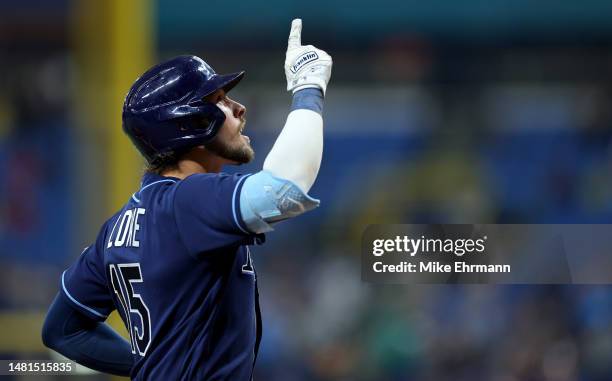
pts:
pixel 163 162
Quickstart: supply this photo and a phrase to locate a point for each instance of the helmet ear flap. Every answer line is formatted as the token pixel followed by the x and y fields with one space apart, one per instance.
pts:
pixel 207 121
pixel 197 124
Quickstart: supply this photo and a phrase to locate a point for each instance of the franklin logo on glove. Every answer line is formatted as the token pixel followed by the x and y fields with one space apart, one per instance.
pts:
pixel 303 60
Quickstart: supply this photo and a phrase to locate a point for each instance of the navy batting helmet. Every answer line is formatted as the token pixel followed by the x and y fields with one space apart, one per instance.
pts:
pixel 164 112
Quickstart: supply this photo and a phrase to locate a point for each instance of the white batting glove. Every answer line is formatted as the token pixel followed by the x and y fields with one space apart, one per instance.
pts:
pixel 305 66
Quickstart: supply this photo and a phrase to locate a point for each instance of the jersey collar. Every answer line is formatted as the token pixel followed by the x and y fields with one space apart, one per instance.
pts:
pixel 149 178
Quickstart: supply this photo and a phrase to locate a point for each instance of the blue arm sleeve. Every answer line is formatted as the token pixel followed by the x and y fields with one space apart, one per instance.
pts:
pixel 88 342
pixel 309 99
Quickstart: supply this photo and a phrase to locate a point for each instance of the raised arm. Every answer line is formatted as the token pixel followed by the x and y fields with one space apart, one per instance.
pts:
pixel 297 153
pixel 291 167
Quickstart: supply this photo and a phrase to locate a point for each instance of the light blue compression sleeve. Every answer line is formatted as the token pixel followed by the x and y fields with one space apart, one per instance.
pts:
pixel 266 199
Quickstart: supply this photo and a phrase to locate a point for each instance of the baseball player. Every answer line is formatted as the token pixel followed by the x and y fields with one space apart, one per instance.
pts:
pixel 175 261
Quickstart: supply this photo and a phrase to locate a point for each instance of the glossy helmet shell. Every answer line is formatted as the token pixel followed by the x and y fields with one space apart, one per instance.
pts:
pixel 164 112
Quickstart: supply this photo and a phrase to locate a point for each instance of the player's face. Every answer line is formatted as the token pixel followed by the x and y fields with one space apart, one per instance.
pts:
pixel 229 143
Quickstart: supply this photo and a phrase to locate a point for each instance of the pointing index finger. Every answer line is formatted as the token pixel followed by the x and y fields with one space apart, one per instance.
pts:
pixel 295 36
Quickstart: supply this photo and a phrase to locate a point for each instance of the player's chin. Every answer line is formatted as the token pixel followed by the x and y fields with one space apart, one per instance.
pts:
pixel 249 153
pixel 243 153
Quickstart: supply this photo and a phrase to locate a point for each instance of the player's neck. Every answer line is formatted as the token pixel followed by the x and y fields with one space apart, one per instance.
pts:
pixel 196 161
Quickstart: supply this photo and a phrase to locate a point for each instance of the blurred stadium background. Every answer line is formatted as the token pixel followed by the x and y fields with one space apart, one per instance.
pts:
pixel 441 111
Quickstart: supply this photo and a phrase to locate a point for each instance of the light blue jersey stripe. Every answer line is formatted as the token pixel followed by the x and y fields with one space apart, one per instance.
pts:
pixel 234 204
pixel 148 185
pixel 79 303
